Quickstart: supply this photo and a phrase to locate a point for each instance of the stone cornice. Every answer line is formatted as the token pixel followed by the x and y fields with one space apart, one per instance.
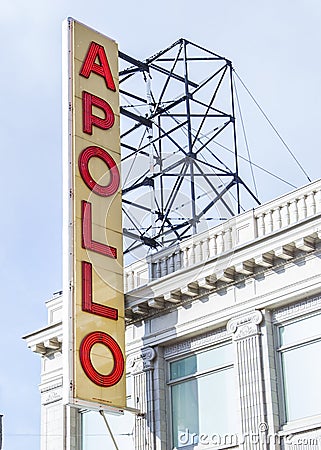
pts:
pixel 212 275
pixel 282 215
pixel 47 340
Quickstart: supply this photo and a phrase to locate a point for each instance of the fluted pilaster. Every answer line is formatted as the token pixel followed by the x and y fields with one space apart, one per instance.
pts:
pixel 246 334
pixel 142 366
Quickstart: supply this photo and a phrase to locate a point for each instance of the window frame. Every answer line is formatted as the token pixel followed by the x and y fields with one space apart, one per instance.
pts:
pixel 287 424
pixel 195 376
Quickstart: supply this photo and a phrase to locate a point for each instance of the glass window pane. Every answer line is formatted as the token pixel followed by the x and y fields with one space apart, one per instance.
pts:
pixel 94 431
pixel 95 435
pixel 205 405
pixel 301 378
pixel 217 403
pixel 200 362
pixel 185 409
pixel 302 329
pixel 183 367
pixel 216 357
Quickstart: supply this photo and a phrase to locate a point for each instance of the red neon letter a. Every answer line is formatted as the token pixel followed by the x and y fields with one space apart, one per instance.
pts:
pixel 97 51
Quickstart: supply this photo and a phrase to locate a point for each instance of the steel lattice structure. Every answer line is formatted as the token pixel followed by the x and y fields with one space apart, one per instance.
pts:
pixel 179 147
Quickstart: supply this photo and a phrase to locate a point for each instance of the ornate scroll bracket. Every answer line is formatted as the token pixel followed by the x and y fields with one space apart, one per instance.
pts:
pixel 51 394
pixel 245 325
pixel 141 362
pixel 148 356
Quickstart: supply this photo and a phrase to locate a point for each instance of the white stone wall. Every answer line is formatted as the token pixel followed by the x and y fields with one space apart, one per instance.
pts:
pixel 237 282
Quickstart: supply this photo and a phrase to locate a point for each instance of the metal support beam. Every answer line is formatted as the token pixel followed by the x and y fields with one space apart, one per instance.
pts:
pixel 179 112
pixel 140 119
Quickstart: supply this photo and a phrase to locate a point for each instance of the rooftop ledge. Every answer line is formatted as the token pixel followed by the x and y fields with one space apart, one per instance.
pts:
pixel 277 231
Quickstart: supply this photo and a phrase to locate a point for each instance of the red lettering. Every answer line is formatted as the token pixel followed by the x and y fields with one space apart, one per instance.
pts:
pixel 98 337
pixel 112 186
pixel 97 112
pixel 87 296
pixel 88 101
pixel 87 241
pixel 97 51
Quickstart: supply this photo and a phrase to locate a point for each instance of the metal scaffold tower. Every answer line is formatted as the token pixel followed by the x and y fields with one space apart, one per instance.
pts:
pixel 179 147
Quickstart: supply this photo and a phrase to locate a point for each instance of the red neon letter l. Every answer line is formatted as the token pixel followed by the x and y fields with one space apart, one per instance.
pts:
pixel 87 301
pixel 87 241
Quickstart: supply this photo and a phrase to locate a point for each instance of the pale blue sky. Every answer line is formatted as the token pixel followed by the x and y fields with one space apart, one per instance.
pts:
pixel 275 47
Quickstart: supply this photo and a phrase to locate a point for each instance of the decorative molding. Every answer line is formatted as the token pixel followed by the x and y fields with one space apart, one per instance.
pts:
pixel 47 344
pixel 50 387
pixel 296 309
pixel 140 362
pixel 273 218
pixel 280 233
pixel 52 396
pixel 51 393
pixel 134 363
pixel 245 325
pixel 196 343
pixel 148 356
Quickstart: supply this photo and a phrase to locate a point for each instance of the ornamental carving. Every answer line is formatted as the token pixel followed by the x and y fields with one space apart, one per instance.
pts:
pixel 142 361
pixel 54 394
pixel 293 310
pixel 50 387
pixel 245 325
pixel 51 394
pixel 148 356
pixel 196 343
pixel 134 363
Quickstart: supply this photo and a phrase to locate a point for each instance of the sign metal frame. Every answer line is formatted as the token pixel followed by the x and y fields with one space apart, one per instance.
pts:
pixel 93 297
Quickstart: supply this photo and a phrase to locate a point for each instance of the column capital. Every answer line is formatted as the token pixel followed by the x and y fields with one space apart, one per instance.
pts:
pixel 148 356
pixel 141 362
pixel 245 325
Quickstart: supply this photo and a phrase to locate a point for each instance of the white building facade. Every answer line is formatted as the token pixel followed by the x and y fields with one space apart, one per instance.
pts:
pixel 223 340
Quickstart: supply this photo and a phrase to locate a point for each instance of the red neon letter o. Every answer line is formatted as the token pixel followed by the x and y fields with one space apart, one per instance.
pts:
pixel 112 186
pixel 86 345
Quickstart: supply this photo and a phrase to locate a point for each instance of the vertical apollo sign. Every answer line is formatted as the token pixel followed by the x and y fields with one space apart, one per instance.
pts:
pixel 94 325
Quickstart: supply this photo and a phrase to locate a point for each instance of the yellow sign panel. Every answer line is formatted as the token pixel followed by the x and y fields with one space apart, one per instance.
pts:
pixel 96 331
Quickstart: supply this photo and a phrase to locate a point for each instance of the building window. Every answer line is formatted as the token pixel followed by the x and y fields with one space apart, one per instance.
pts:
pixel 202 396
pixel 94 434
pixel 299 350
